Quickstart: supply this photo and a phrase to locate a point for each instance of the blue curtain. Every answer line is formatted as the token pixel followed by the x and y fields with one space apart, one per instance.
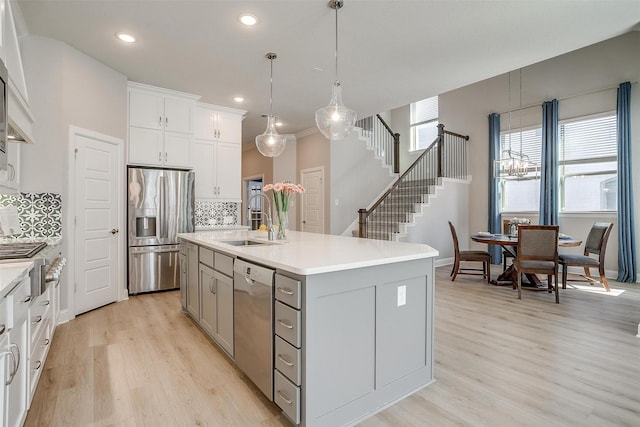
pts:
pixel 549 165
pixel 626 229
pixel 494 225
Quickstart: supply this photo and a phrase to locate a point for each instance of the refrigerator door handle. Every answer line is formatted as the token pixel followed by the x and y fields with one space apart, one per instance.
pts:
pixel 161 211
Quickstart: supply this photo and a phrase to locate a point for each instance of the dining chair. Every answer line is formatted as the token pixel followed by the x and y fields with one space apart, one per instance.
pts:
pixel 596 244
pixel 466 256
pixel 537 254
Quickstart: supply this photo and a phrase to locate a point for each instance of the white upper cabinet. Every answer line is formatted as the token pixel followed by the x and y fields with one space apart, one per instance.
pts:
pixel 160 126
pixel 218 169
pixel 18 105
pixel 218 123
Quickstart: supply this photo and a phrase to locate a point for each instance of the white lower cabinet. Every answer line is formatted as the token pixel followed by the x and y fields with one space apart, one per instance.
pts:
pixel 40 329
pixel 14 345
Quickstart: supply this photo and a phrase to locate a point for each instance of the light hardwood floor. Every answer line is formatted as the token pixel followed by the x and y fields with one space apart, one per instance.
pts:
pixel 499 361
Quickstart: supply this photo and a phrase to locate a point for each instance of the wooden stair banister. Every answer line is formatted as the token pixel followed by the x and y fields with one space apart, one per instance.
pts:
pixel 412 185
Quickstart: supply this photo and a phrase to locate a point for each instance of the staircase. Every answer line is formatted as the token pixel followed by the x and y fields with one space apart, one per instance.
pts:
pixel 389 217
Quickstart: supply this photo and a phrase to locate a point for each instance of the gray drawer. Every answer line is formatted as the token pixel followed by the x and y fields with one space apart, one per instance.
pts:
pixel 223 263
pixel 287 322
pixel 288 291
pixel 206 256
pixel 288 360
pixel 287 396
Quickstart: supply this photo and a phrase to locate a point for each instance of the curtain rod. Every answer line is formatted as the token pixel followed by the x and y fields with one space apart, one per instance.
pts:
pixel 564 99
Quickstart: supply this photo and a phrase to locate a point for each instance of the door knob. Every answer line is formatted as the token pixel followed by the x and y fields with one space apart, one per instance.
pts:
pixel 114 230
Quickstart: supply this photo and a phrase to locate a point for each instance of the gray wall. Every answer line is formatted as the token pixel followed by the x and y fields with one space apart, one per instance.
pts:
pixel 66 87
pixel 313 150
pixel 357 178
pixel 576 80
pixel 284 169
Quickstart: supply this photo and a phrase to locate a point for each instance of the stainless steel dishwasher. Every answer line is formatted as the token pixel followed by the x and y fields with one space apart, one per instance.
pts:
pixel 253 320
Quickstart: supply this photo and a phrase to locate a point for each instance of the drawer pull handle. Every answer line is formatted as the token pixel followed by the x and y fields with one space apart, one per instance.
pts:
pixel 285 361
pixel 289 402
pixel 38 364
pixel 27 299
pixel 38 319
pixel 285 291
pixel 47 302
pixel 2 329
pixel 46 341
pixel 286 325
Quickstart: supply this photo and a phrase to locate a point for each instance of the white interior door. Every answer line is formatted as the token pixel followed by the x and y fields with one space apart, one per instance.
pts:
pixel 96 231
pixel 313 200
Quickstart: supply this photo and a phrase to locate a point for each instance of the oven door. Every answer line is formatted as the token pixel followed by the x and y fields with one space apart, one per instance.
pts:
pixel 154 268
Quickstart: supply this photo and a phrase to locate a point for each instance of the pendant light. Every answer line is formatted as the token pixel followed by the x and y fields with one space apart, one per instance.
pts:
pixel 270 143
pixel 335 121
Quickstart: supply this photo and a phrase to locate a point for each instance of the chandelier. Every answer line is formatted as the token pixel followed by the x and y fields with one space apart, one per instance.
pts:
pixel 514 164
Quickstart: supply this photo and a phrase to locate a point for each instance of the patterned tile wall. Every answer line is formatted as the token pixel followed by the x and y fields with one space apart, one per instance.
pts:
pixel 40 214
pixel 209 213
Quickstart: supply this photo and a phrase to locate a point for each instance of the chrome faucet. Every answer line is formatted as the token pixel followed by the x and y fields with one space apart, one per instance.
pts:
pixel 270 228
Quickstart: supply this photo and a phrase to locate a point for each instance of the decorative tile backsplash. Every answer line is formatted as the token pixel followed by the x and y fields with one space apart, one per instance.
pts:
pixel 40 214
pixel 209 213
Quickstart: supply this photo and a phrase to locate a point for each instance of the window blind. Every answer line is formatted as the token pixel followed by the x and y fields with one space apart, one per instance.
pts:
pixel 424 111
pixel 589 139
pixel 528 142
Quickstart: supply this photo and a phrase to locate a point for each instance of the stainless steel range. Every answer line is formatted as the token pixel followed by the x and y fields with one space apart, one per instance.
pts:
pixel 48 262
pixel 20 250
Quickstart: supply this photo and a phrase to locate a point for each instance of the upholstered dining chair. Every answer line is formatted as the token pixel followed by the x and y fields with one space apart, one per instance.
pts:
pixel 538 254
pixel 596 244
pixel 465 256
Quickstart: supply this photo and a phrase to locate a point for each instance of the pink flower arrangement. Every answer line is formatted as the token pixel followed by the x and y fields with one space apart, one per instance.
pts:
pixel 282 193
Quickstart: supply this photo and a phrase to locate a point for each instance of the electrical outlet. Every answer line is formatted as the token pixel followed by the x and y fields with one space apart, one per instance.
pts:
pixel 402 295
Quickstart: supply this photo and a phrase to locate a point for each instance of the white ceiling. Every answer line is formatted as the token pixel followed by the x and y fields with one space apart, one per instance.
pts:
pixel 391 52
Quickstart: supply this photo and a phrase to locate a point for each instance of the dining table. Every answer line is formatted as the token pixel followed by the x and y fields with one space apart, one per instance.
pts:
pixel 510 244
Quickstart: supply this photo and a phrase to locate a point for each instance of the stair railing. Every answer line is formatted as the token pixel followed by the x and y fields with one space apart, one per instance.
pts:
pixel 383 140
pixel 445 157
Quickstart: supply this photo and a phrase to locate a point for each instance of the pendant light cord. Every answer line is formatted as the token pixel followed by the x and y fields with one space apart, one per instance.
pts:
pixel 271 89
pixel 336 71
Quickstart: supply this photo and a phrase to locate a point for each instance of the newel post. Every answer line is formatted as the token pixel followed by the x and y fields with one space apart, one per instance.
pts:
pixel 362 223
pixel 440 150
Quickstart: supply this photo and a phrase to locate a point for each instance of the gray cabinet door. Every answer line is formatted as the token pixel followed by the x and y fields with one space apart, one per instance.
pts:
pixel 193 289
pixel 183 278
pixel 208 303
pixel 224 326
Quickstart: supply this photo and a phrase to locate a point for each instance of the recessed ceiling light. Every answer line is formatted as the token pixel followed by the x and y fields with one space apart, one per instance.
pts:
pixel 238 98
pixel 248 19
pixel 127 38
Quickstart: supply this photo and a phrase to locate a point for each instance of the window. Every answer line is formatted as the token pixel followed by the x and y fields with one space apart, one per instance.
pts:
pixel 424 123
pixel 588 164
pixel 522 194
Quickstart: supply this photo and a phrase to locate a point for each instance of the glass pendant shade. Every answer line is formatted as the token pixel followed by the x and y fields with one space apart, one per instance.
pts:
pixel 271 143
pixel 335 121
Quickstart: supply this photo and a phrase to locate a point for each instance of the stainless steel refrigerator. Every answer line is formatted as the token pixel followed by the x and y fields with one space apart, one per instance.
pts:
pixel 160 205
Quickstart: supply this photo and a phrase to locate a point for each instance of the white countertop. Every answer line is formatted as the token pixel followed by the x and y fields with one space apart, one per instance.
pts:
pixel 11 274
pixel 310 253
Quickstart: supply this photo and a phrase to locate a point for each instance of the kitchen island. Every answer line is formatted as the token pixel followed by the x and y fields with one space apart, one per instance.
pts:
pixel 353 319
